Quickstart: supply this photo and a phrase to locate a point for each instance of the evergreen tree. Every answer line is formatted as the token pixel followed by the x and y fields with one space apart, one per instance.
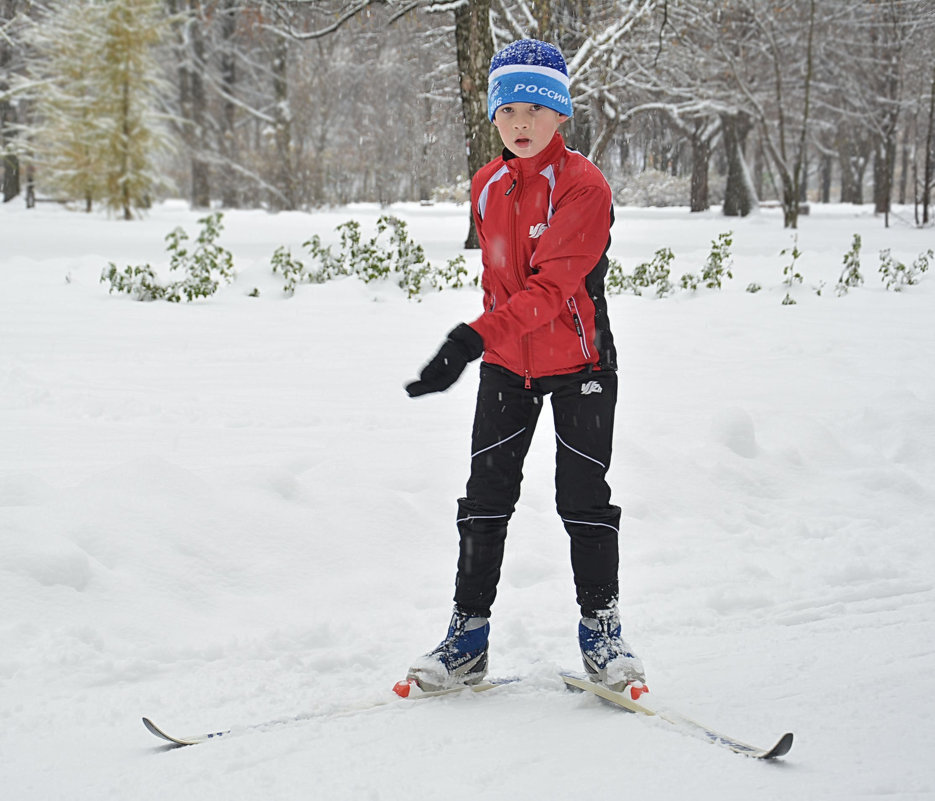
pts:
pixel 128 83
pixel 64 143
pixel 96 83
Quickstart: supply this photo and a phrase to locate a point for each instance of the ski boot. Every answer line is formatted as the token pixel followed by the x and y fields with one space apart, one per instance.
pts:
pixel 607 658
pixel 461 658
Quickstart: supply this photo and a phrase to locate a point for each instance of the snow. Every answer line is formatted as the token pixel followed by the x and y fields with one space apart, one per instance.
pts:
pixel 226 512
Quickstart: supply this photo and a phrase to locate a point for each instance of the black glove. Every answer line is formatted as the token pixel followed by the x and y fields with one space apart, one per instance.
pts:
pixel 463 345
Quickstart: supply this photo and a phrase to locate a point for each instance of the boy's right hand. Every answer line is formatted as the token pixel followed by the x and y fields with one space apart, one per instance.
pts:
pixel 463 345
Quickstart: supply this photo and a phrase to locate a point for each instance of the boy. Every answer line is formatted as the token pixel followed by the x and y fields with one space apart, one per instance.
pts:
pixel 543 215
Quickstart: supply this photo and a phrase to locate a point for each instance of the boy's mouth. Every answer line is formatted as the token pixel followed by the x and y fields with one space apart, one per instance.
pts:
pixel 522 141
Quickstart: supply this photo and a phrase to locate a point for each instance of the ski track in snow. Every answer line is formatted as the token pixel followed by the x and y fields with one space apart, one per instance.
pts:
pixel 227 512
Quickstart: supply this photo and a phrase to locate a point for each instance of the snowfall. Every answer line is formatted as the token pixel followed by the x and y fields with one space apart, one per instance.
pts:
pixel 228 512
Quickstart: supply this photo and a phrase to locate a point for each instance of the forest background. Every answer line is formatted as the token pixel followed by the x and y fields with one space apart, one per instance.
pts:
pixel 299 104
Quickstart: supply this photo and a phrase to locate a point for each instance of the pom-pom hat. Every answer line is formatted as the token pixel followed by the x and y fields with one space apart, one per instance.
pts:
pixel 528 71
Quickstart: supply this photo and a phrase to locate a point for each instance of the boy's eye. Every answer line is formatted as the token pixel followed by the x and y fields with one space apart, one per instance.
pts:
pixel 536 107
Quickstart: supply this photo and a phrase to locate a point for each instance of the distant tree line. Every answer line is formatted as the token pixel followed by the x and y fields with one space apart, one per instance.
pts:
pixel 295 104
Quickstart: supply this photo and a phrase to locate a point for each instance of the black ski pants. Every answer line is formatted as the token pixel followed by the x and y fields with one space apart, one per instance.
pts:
pixel 505 418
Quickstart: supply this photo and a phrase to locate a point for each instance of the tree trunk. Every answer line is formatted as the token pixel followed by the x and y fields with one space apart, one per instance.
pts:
pixel 825 175
pixel 285 200
pixel 10 161
pixel 425 189
pixel 701 157
pixel 227 134
pixel 9 175
pixel 880 188
pixel 905 150
pixel 201 177
pixel 577 131
pixel 794 180
pixel 474 45
pixel 802 189
pixel 30 186
pixel 853 163
pixel 189 48
pixel 126 201
pixel 790 205
pixel 739 196
pixel 929 169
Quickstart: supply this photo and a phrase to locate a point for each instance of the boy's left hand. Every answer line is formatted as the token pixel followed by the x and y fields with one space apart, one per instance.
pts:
pixel 463 345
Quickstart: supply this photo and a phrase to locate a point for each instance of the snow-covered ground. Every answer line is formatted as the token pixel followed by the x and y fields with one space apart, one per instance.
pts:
pixel 226 512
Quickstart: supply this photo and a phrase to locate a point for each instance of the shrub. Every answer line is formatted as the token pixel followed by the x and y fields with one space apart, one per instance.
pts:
pixel 791 275
pixel 716 268
pixel 203 268
pixel 850 275
pixel 895 275
pixel 391 252
pixel 649 275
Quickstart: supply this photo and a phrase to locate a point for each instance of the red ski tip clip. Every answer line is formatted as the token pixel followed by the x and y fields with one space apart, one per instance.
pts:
pixel 637 689
pixel 404 687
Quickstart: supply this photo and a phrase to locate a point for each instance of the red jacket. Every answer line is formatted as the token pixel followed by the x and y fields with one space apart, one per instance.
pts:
pixel 544 228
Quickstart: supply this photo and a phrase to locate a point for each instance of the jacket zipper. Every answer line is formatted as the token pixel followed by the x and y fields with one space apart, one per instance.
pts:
pixel 520 274
pixel 573 308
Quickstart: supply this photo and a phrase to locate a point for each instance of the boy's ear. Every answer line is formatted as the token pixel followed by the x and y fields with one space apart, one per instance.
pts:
pixel 562 118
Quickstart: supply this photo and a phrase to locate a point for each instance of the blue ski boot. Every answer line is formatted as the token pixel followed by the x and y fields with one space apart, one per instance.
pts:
pixel 607 658
pixel 461 658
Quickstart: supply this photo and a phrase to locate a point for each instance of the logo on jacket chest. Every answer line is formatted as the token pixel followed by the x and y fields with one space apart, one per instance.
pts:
pixel 537 230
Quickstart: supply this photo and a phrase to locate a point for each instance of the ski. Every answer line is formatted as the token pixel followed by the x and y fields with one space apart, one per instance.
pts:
pixel 195 739
pixel 403 689
pixel 409 688
pixel 633 700
pixel 152 728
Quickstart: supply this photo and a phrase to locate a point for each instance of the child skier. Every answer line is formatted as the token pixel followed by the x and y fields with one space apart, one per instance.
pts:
pixel 543 215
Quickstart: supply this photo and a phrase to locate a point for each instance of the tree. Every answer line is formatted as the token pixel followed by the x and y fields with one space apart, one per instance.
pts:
pixel 884 34
pixel 291 104
pixel 928 174
pixel 128 83
pixel 473 51
pixel 189 29
pixel 776 41
pixel 702 135
pixel 12 15
pixel 226 129
pixel 602 42
pixel 474 44
pixel 66 144
pixel 678 67
pixel 96 84
pixel 739 195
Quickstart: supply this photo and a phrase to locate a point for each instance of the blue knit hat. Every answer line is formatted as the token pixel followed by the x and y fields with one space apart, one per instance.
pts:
pixel 528 71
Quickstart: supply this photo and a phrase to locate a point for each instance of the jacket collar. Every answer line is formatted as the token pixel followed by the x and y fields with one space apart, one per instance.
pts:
pixel 537 163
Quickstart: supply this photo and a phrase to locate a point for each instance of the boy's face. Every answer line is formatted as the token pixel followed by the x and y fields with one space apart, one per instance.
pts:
pixel 527 128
